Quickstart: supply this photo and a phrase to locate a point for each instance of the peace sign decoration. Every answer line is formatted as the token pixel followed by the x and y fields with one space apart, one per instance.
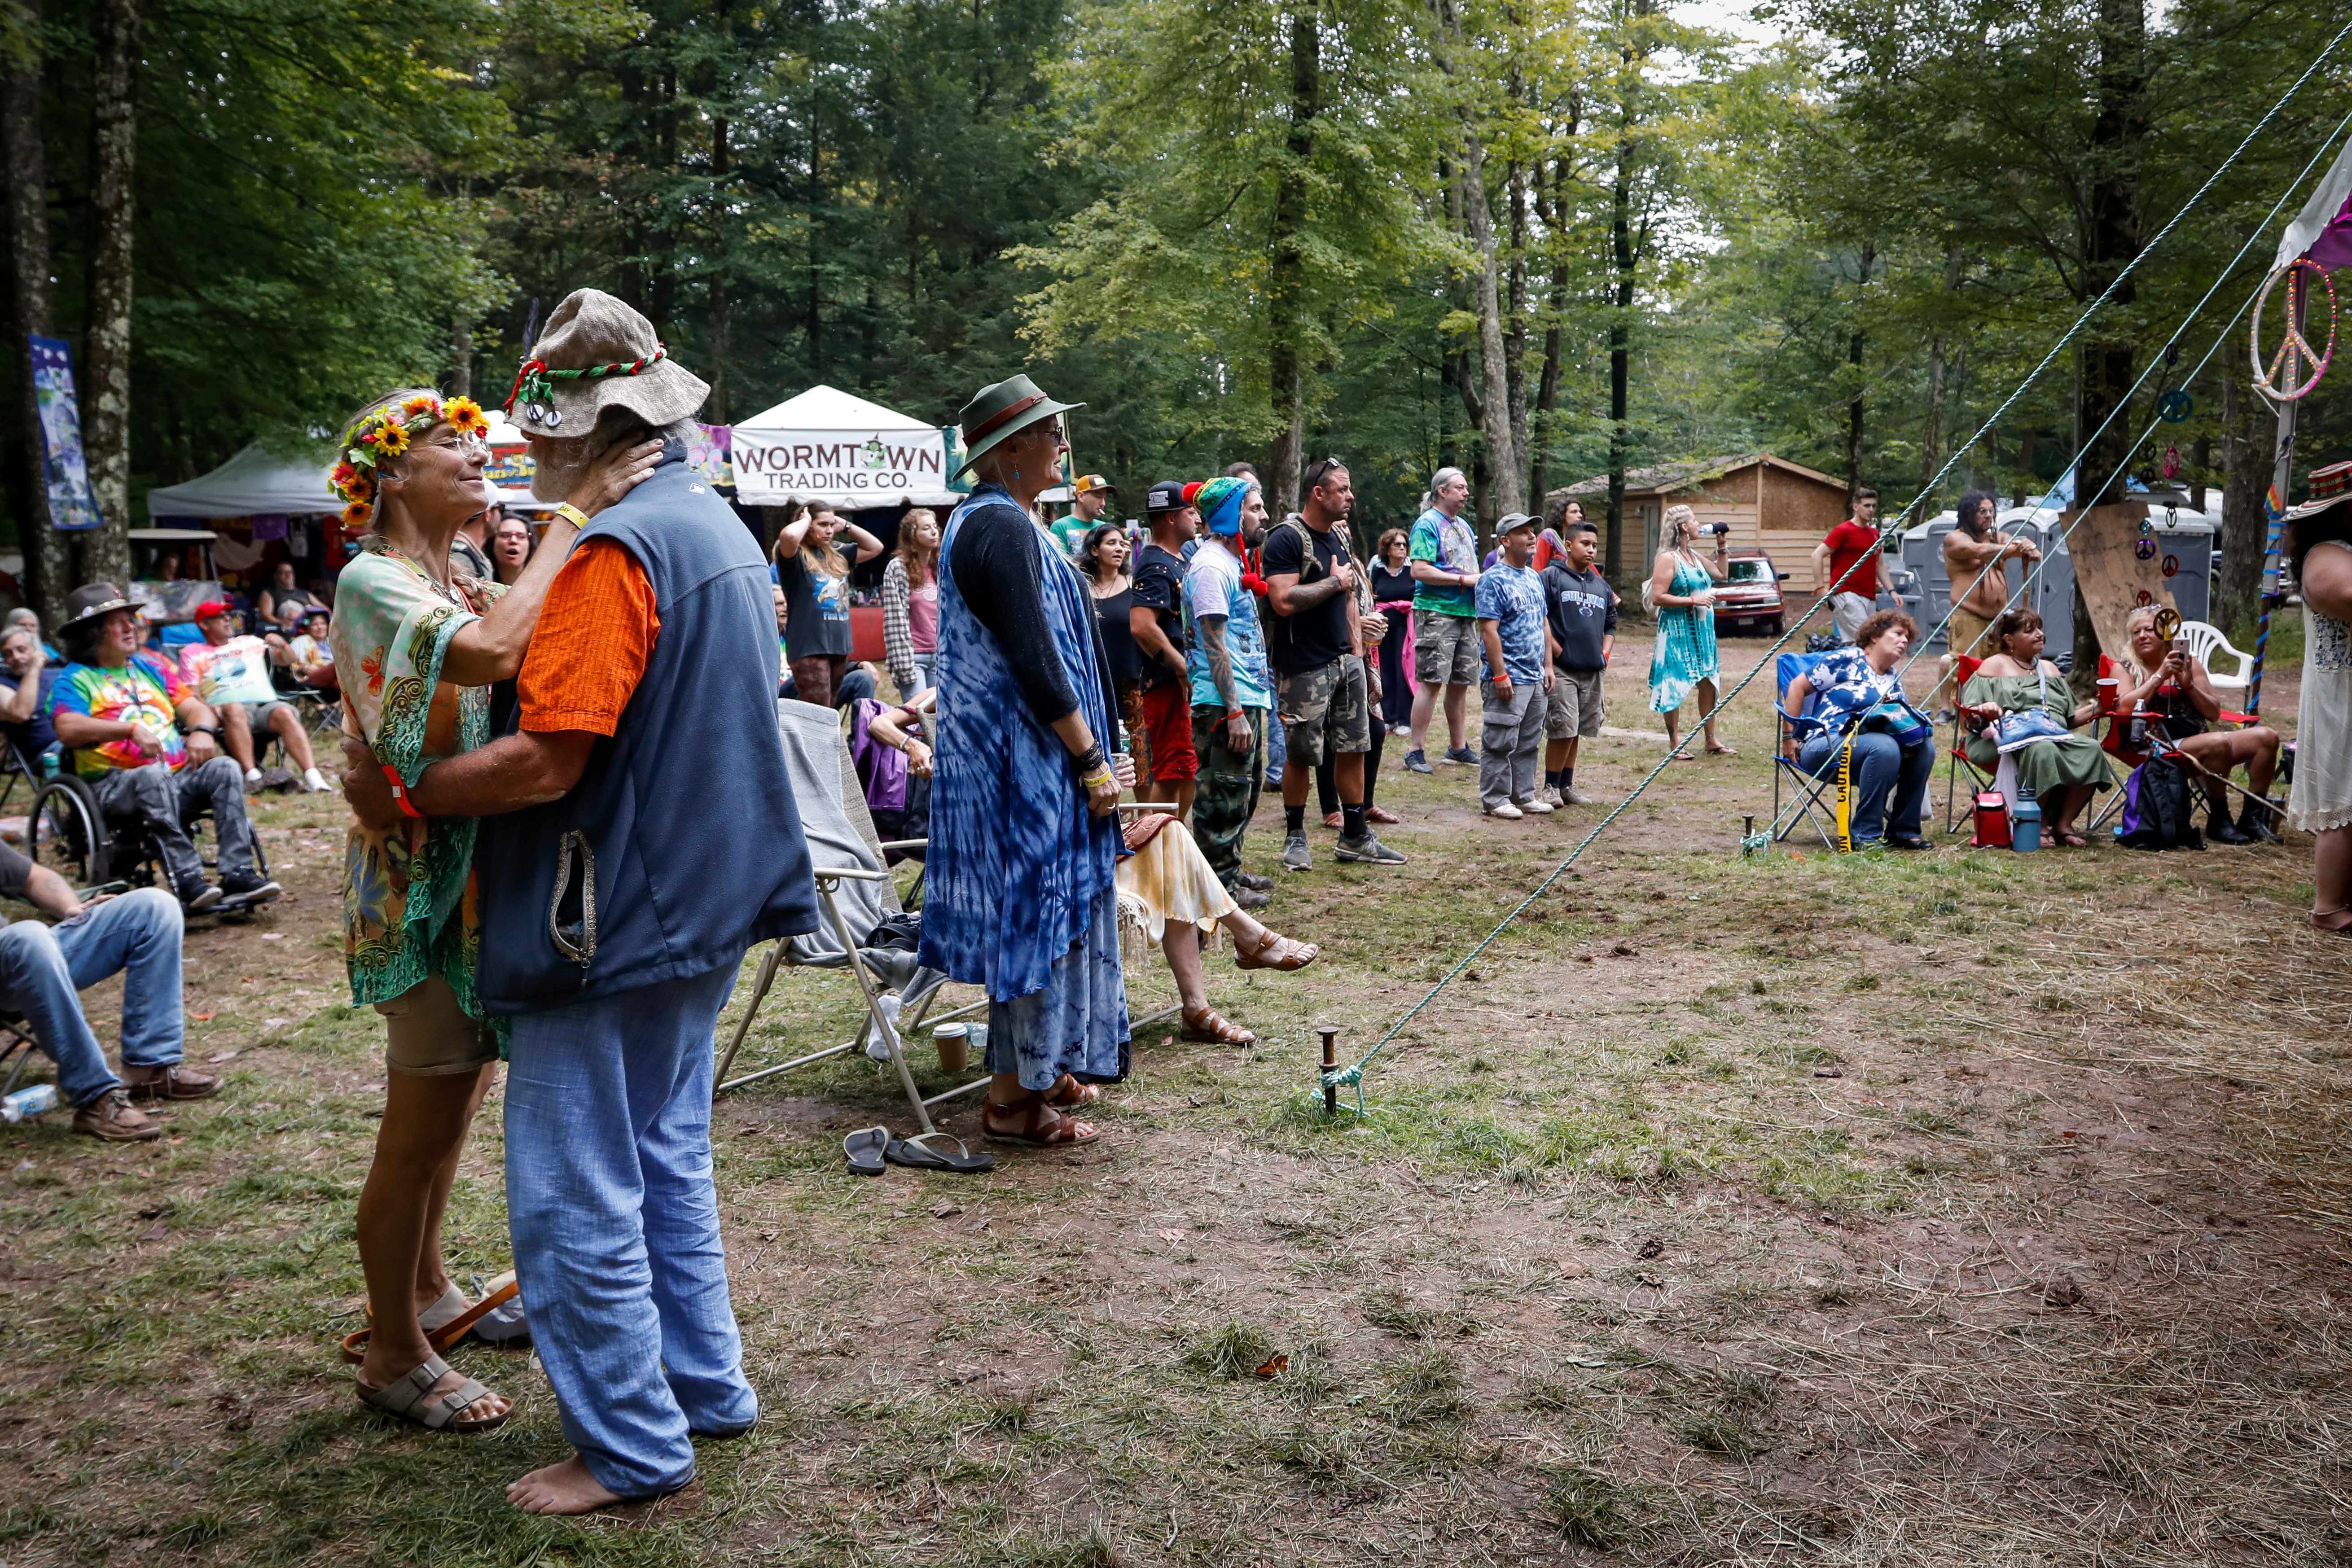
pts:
pixel 2278 379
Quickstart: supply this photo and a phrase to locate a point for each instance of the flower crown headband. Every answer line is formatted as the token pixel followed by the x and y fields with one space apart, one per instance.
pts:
pixel 388 433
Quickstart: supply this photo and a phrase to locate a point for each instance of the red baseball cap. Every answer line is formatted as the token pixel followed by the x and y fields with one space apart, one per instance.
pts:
pixel 212 607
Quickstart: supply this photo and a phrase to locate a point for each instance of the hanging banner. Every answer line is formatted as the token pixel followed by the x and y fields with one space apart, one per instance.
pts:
pixel 71 505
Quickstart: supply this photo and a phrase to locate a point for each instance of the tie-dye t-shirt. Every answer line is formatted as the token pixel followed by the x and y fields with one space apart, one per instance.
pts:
pixel 147 691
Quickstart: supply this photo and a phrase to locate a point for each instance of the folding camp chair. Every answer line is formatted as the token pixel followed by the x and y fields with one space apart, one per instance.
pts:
pixel 858 894
pixel 17 1048
pixel 1953 817
pixel 1805 788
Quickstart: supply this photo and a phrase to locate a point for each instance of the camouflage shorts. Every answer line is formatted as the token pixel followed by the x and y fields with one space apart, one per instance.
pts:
pixel 1327 712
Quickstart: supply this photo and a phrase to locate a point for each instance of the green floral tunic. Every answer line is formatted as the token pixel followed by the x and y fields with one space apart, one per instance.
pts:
pixel 392 627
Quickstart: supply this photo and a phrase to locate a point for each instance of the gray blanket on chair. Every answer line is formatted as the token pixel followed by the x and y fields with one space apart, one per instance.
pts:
pixel 839 829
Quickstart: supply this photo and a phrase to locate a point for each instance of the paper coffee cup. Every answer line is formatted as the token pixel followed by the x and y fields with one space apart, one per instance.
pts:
pixel 953 1042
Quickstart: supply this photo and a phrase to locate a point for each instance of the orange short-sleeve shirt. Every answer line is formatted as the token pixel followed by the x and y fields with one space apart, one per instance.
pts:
pixel 594 638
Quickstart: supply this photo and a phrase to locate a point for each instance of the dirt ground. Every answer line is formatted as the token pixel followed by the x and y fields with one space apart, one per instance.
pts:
pixel 1966 1208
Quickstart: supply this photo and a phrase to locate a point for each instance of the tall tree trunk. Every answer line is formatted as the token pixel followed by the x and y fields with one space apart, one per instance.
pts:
pixel 48 561
pixel 461 361
pixel 2245 475
pixel 715 371
pixel 1548 389
pixel 2201 470
pixel 1621 340
pixel 1515 317
pixel 1853 408
pixel 2111 239
pixel 1287 281
pixel 106 400
pixel 1931 448
pixel 1507 478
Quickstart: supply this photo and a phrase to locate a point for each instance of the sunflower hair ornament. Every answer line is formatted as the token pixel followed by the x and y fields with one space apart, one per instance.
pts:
pixel 534 384
pixel 389 432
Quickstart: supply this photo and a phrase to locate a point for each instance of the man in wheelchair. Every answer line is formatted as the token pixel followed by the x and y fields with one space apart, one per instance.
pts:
pixel 43 966
pixel 120 711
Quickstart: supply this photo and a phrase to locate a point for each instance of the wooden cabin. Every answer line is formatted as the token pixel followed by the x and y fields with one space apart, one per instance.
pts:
pixel 1772 503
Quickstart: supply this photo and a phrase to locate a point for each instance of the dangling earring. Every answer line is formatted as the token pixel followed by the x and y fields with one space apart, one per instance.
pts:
pixel 1016 473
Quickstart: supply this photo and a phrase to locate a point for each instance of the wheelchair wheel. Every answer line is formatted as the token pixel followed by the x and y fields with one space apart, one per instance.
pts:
pixel 68 833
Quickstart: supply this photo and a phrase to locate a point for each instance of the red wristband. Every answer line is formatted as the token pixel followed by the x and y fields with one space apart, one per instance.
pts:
pixel 400 792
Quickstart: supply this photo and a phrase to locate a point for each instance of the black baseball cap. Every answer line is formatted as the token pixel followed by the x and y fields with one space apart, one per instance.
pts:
pixel 1166 496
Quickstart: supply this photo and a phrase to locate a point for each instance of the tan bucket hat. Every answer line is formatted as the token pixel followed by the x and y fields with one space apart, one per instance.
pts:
pixel 598 353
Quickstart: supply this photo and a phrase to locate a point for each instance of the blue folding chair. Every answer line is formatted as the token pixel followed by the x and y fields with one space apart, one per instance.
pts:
pixel 1803 790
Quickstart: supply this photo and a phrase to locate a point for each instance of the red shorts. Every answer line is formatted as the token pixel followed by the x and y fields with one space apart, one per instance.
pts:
pixel 1168 732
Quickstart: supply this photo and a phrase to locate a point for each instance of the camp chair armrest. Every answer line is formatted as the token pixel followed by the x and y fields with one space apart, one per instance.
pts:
pixel 906 843
pixel 854 872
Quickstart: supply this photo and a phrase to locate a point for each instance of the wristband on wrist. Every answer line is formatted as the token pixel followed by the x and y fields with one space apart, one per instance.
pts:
pixel 400 793
pixel 1091 759
pixel 1095 778
pixel 572 515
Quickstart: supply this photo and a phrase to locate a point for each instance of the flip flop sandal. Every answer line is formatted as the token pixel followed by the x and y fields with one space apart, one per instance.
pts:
pixel 1068 1093
pixel 412 1398
pixel 1212 1028
pixel 916 1155
pixel 864 1149
pixel 1053 1134
pixel 1289 955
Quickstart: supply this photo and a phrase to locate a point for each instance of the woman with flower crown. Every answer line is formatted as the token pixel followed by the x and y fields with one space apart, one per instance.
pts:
pixel 416 651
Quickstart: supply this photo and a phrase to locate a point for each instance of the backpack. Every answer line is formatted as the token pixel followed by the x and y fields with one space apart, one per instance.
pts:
pixel 2155 810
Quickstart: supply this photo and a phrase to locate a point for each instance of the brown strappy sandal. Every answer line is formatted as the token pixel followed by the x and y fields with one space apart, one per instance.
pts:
pixel 1068 1093
pixel 1275 951
pixel 1041 1126
pixel 1208 1026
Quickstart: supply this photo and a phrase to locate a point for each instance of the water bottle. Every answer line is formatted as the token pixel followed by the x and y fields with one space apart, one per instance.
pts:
pixel 2025 822
pixel 28 1102
pixel 887 1005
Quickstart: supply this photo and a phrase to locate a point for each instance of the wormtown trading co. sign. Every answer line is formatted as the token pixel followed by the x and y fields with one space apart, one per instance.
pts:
pixel 846 467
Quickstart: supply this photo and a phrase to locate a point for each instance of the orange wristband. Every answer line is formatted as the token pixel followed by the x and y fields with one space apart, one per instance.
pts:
pixel 400 792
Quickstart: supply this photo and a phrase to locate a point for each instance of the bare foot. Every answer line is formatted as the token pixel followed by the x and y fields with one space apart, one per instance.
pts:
pixel 564 1487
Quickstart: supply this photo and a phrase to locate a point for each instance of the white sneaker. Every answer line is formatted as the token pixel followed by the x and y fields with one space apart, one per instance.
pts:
pixel 1536 808
pixel 1507 811
pixel 1571 797
pixel 1550 796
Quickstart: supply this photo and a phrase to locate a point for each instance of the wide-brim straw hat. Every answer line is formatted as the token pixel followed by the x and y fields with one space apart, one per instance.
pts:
pixel 998 413
pixel 593 328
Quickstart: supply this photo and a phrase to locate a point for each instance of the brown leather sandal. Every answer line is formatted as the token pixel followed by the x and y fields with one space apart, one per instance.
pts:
pixel 1041 1126
pixel 1068 1093
pixel 1207 1027
pixel 1274 952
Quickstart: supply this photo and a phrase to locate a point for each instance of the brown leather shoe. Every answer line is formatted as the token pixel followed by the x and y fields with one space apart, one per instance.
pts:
pixel 172 1082
pixel 113 1117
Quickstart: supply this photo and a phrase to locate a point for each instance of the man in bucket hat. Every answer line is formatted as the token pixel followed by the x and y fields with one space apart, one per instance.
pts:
pixel 613 918
pixel 121 711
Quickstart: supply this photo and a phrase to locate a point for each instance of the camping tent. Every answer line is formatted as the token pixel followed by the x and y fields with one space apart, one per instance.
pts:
pixel 252 482
pixel 826 444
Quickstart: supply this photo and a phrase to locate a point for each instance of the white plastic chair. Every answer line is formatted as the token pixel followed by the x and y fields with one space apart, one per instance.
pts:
pixel 2205 641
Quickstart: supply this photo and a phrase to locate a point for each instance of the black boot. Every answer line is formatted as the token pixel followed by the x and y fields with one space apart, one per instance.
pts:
pixel 2219 828
pixel 2258 821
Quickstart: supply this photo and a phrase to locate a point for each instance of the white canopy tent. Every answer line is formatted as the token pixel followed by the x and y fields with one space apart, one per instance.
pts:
pixel 831 446
pixel 252 482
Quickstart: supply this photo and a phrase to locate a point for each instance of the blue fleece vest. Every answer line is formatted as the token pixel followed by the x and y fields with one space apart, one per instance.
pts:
pixel 681 845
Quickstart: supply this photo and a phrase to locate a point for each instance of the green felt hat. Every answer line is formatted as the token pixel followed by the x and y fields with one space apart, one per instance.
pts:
pixel 997 413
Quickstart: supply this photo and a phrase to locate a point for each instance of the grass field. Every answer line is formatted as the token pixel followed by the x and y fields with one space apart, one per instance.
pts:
pixel 1959 1208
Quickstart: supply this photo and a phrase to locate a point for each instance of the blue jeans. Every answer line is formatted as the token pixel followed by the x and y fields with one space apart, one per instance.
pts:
pixel 42 968
pixel 1888 780
pixel 615 1226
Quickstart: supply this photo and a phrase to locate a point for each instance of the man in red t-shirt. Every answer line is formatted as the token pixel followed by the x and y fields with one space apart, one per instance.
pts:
pixel 1855 540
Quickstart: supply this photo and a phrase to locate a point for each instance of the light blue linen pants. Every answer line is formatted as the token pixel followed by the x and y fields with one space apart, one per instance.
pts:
pixel 615 1225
